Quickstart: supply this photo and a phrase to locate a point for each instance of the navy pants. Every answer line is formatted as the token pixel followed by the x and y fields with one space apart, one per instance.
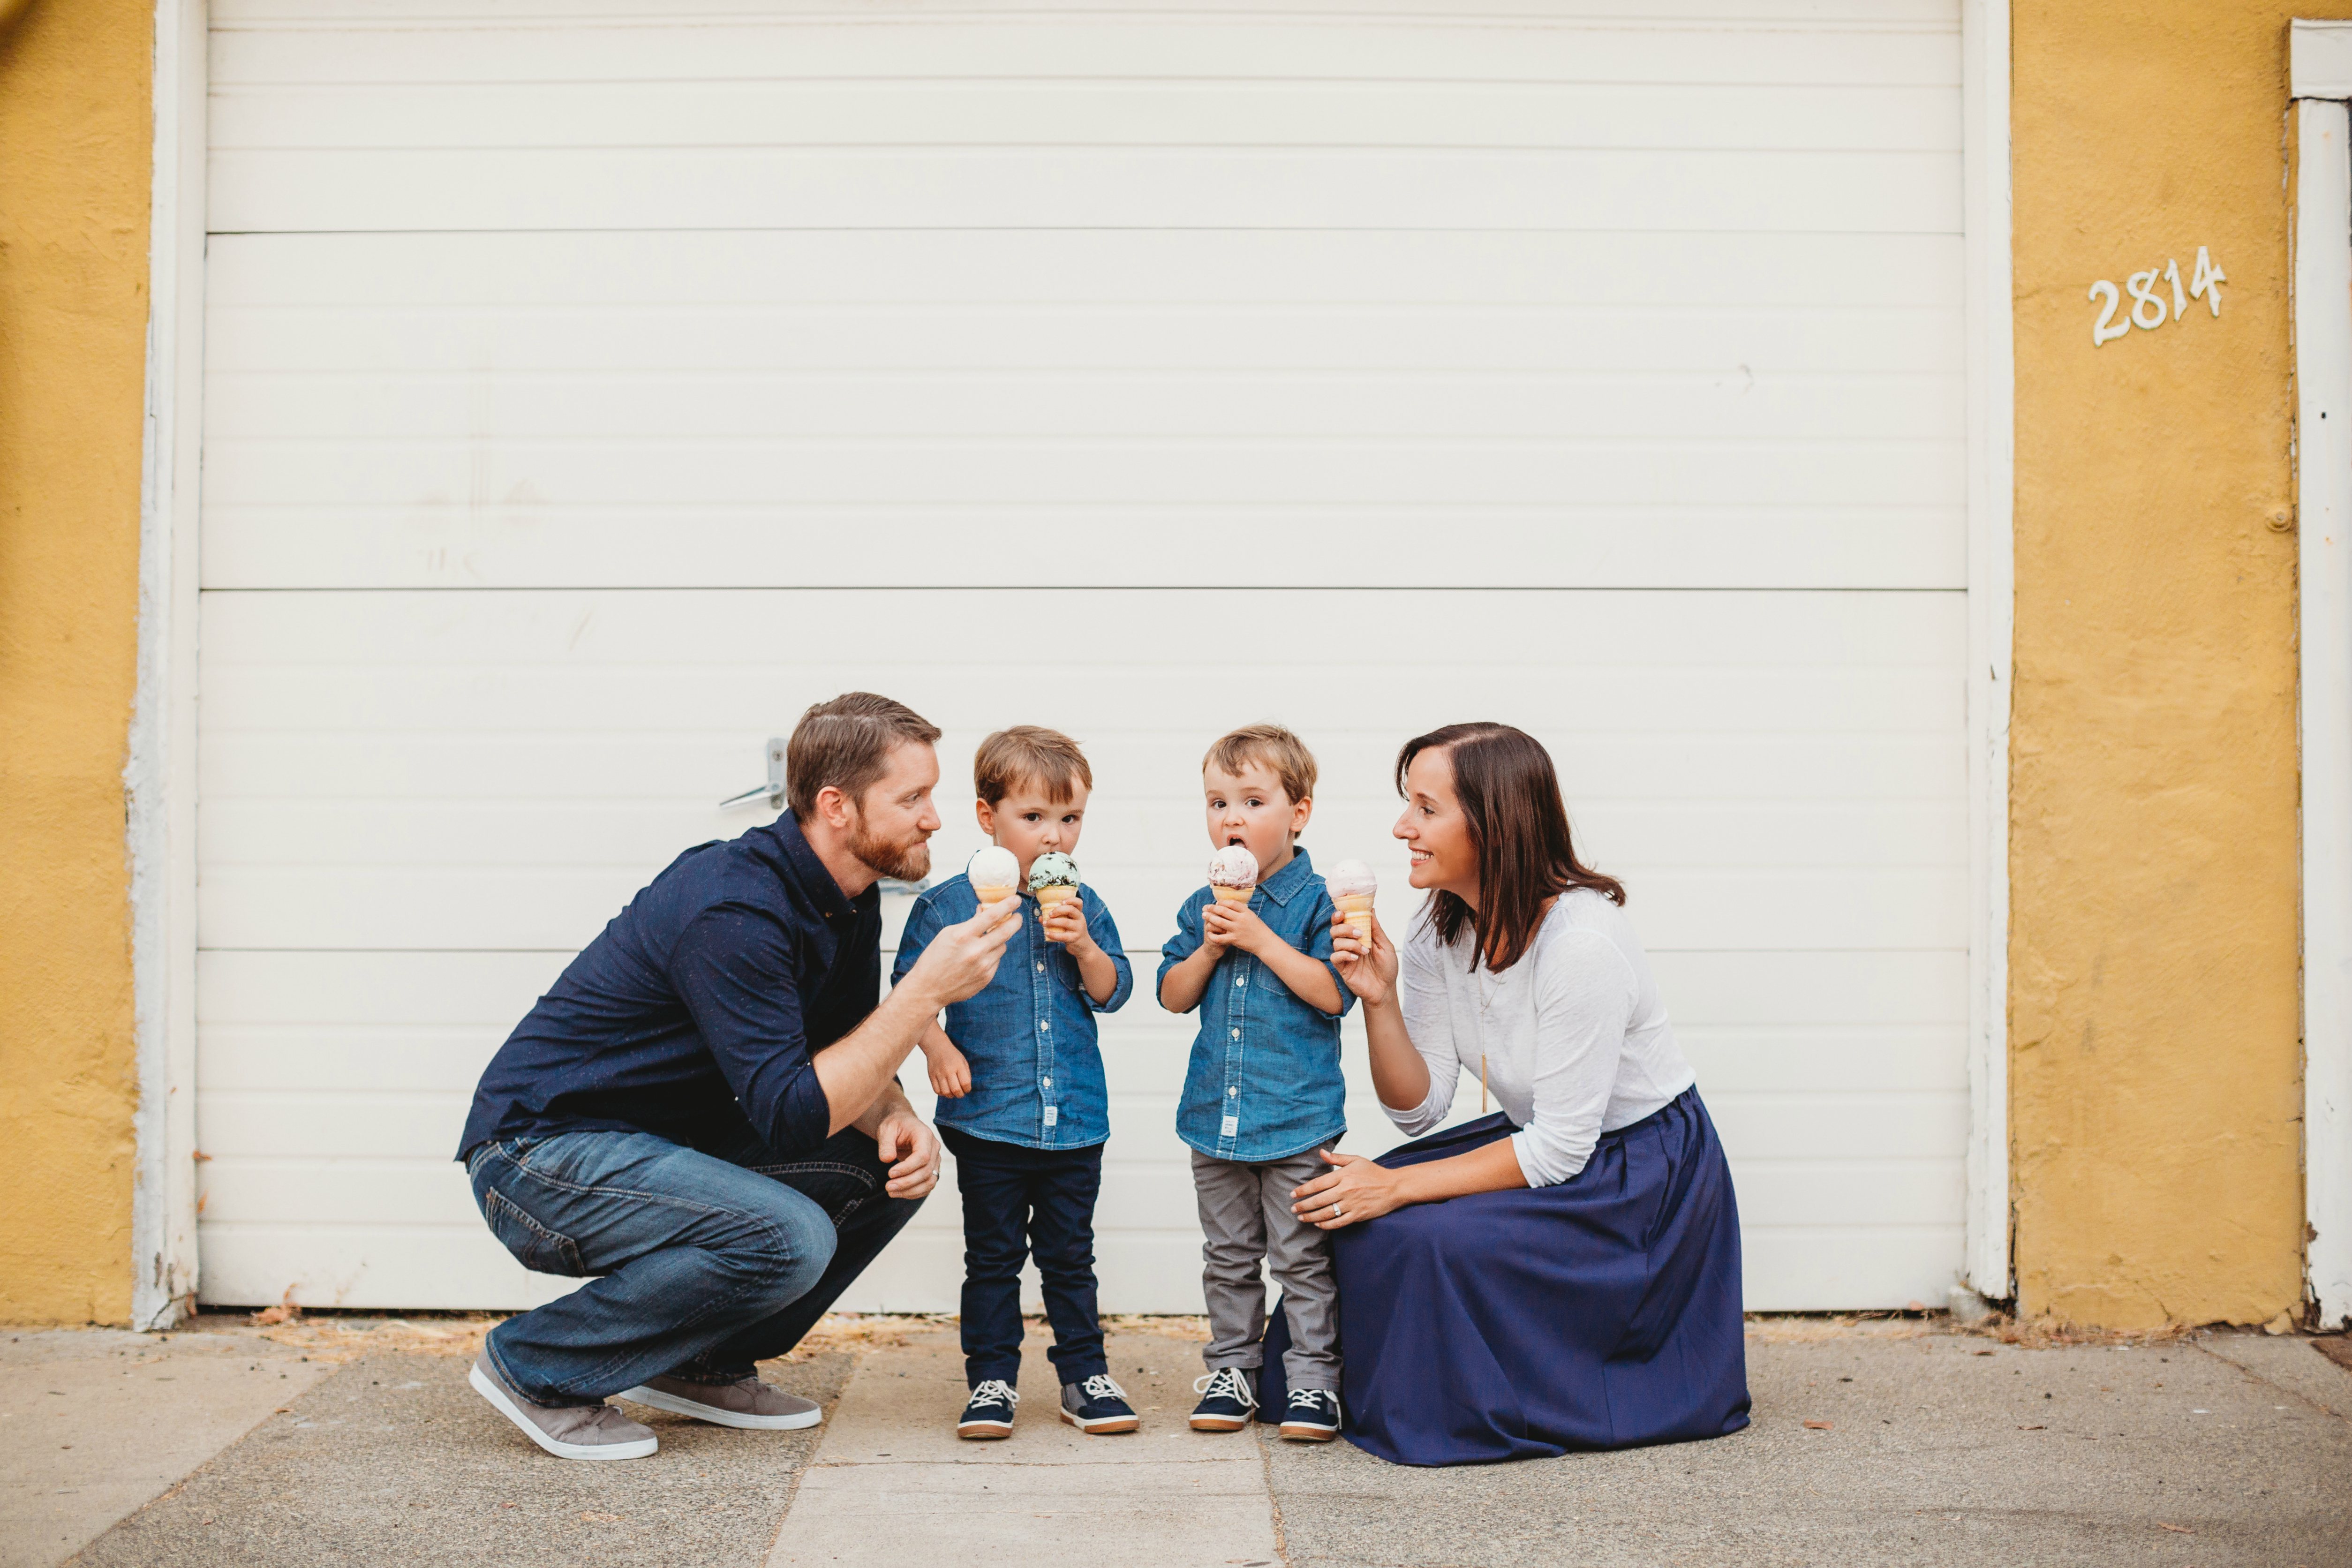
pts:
pixel 711 1259
pixel 1021 1203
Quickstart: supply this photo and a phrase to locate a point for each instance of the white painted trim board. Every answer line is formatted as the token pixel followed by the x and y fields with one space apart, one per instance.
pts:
pixel 2323 342
pixel 159 773
pixel 1993 466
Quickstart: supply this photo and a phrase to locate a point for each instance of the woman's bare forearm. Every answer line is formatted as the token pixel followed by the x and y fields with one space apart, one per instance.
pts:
pixel 1491 1169
pixel 1399 1075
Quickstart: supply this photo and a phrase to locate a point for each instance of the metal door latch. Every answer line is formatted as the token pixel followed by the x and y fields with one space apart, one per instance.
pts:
pixel 774 788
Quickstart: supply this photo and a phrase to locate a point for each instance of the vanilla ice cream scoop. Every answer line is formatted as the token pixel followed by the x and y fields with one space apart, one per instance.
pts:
pixel 995 873
pixel 1232 874
pixel 1352 886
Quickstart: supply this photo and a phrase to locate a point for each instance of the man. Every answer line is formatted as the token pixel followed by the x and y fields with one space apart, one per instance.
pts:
pixel 705 1111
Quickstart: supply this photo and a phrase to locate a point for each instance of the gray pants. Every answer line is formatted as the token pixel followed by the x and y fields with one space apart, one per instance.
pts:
pixel 1245 1216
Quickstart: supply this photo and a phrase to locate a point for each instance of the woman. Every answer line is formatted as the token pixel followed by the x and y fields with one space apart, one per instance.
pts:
pixel 1564 1274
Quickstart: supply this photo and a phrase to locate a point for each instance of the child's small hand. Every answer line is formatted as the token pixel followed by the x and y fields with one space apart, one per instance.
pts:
pixel 1065 922
pixel 1233 925
pixel 950 1074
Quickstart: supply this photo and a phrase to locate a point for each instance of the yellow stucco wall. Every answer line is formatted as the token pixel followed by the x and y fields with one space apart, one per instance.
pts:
pixel 2156 1060
pixel 75 150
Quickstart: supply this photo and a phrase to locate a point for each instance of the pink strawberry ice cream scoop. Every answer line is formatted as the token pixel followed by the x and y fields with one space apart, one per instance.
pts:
pixel 1351 879
pixel 1232 866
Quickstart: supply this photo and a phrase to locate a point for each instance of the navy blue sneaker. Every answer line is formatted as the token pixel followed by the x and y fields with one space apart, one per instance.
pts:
pixel 1313 1415
pixel 1098 1405
pixel 1227 1397
pixel 989 1415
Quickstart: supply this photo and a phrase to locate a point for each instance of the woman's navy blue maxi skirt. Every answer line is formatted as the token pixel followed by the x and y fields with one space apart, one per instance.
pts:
pixel 1603 1312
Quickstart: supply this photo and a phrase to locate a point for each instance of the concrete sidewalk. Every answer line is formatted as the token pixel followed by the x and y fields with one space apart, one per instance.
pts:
pixel 1932 1449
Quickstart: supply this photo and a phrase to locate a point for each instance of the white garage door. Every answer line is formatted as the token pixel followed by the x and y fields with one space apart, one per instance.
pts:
pixel 587 394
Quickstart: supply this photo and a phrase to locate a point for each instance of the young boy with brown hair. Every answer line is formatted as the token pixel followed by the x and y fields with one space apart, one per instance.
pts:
pixel 1022 1104
pixel 1263 1094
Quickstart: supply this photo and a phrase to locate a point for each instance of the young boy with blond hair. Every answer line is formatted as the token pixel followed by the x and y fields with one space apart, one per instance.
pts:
pixel 1022 1104
pixel 1263 1094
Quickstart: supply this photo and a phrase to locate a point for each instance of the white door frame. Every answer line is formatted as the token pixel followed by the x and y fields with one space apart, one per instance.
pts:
pixel 159 774
pixel 2321 73
pixel 162 779
pixel 1993 473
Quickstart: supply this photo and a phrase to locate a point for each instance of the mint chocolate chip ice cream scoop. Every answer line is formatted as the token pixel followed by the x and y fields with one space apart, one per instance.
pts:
pixel 1053 870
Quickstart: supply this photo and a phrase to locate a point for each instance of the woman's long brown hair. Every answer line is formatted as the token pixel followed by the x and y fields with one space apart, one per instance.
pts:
pixel 1518 824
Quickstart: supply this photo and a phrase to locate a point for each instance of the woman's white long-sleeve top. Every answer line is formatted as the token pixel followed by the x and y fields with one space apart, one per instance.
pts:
pixel 1575 1039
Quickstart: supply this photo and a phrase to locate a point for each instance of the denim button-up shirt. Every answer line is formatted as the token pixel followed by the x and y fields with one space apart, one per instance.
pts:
pixel 1264 1082
pixel 1036 1071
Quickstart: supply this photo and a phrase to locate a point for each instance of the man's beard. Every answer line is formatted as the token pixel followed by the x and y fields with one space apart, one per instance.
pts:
pixel 909 861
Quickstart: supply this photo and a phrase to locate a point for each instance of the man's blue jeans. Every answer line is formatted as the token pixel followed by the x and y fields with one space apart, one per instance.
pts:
pixel 711 1260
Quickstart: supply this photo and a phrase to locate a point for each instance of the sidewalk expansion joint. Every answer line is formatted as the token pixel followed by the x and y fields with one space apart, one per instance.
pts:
pixel 2296 1393
pixel 1018 1464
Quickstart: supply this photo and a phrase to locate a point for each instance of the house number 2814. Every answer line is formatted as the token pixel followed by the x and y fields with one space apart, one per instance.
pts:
pixel 2149 308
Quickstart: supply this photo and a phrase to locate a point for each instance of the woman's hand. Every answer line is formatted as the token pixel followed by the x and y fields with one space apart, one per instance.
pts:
pixel 1371 976
pixel 1357 1190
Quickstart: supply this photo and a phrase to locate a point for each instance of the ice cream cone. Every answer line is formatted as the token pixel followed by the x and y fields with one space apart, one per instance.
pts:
pixel 1048 897
pixel 995 875
pixel 1358 908
pixel 1232 895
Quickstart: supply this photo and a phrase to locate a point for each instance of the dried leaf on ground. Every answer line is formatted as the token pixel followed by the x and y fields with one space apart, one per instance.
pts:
pixel 286 1311
pixel 1820 1426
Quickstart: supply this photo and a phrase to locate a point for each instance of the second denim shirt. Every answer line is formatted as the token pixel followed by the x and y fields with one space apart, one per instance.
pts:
pixel 1264 1081
pixel 1029 1034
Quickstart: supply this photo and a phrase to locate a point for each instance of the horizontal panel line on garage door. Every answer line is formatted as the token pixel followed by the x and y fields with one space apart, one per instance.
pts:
pixel 1838 1165
pixel 928 440
pixel 473 1226
pixel 1451 228
pixel 1105 146
pixel 1002 113
pixel 1143 51
pixel 1519 588
pixel 1153 955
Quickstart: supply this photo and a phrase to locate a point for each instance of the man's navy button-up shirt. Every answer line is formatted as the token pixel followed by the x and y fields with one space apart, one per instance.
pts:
pixel 697 1008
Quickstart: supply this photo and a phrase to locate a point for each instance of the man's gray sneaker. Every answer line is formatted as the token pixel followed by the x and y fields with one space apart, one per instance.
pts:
pixel 746 1403
pixel 566 1431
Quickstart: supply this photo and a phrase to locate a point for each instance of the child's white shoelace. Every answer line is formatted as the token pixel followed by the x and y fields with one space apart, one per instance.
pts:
pixel 1227 1382
pixel 1100 1386
pixel 996 1391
